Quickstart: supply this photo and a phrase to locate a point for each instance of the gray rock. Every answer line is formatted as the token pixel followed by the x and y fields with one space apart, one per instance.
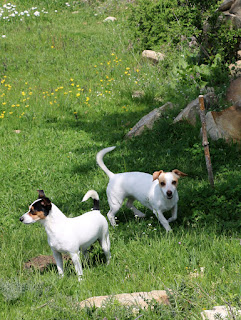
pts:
pixel 148 120
pixel 234 19
pixel 226 5
pixel 236 8
pixel 192 111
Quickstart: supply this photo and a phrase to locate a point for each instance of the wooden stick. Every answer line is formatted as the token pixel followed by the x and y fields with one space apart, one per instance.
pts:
pixel 205 141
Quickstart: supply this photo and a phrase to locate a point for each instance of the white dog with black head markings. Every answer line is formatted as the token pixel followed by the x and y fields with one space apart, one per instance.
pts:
pixel 157 192
pixel 70 235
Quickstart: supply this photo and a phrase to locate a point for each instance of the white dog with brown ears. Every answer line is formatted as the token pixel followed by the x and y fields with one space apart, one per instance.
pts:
pixel 70 235
pixel 157 192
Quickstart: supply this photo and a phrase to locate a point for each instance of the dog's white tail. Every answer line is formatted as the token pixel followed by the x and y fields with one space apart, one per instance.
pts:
pixel 99 159
pixel 94 195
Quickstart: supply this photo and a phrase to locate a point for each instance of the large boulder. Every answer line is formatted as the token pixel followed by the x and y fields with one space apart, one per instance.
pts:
pixel 148 120
pixel 139 299
pixel 225 124
pixel 192 111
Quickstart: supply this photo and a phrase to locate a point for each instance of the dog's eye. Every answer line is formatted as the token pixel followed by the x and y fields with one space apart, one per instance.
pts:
pixel 174 182
pixel 163 184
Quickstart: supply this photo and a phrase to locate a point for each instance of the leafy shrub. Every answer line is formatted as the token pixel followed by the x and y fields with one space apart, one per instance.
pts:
pixel 154 23
pixel 220 38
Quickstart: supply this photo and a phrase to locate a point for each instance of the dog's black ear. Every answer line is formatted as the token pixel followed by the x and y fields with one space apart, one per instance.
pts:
pixel 41 194
pixel 47 205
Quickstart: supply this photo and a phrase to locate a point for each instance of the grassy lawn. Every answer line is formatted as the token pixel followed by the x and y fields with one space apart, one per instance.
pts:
pixel 66 89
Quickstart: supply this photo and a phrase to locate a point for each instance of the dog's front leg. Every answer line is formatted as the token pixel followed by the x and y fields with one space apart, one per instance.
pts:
pixel 59 261
pixel 77 264
pixel 162 220
pixel 174 214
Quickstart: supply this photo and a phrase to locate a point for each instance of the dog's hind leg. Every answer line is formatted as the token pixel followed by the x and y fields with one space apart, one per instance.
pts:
pixel 115 205
pixel 131 206
pixel 77 264
pixel 105 245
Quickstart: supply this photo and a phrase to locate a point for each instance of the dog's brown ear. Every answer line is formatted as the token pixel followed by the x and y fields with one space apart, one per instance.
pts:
pixel 156 174
pixel 179 173
pixel 41 194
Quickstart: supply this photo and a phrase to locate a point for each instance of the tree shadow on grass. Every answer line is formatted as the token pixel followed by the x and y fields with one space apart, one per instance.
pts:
pixel 166 147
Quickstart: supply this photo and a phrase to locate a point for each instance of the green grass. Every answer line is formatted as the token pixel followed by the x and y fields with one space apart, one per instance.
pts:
pixel 66 86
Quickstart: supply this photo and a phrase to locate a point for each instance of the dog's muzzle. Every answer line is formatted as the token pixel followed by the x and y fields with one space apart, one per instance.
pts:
pixel 169 194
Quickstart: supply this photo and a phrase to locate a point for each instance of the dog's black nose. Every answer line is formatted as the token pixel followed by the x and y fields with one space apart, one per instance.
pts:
pixel 169 193
pixel 21 219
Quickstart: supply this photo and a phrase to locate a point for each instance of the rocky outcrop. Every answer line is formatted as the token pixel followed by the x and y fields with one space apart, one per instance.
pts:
pixel 192 111
pixel 225 124
pixel 138 299
pixel 231 10
pixel 148 120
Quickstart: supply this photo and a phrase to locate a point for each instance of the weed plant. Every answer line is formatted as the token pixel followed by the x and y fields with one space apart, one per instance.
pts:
pixel 66 89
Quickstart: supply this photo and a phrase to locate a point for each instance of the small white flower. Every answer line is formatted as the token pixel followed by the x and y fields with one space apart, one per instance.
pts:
pixel 3 36
pixel 37 13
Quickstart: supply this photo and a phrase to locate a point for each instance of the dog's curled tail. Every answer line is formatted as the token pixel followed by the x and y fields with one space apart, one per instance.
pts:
pixel 94 195
pixel 99 159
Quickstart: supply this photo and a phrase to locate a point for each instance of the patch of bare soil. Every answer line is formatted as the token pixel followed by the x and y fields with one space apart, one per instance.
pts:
pixel 42 262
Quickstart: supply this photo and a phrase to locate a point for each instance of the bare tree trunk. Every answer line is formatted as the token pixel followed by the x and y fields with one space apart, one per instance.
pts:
pixel 205 140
